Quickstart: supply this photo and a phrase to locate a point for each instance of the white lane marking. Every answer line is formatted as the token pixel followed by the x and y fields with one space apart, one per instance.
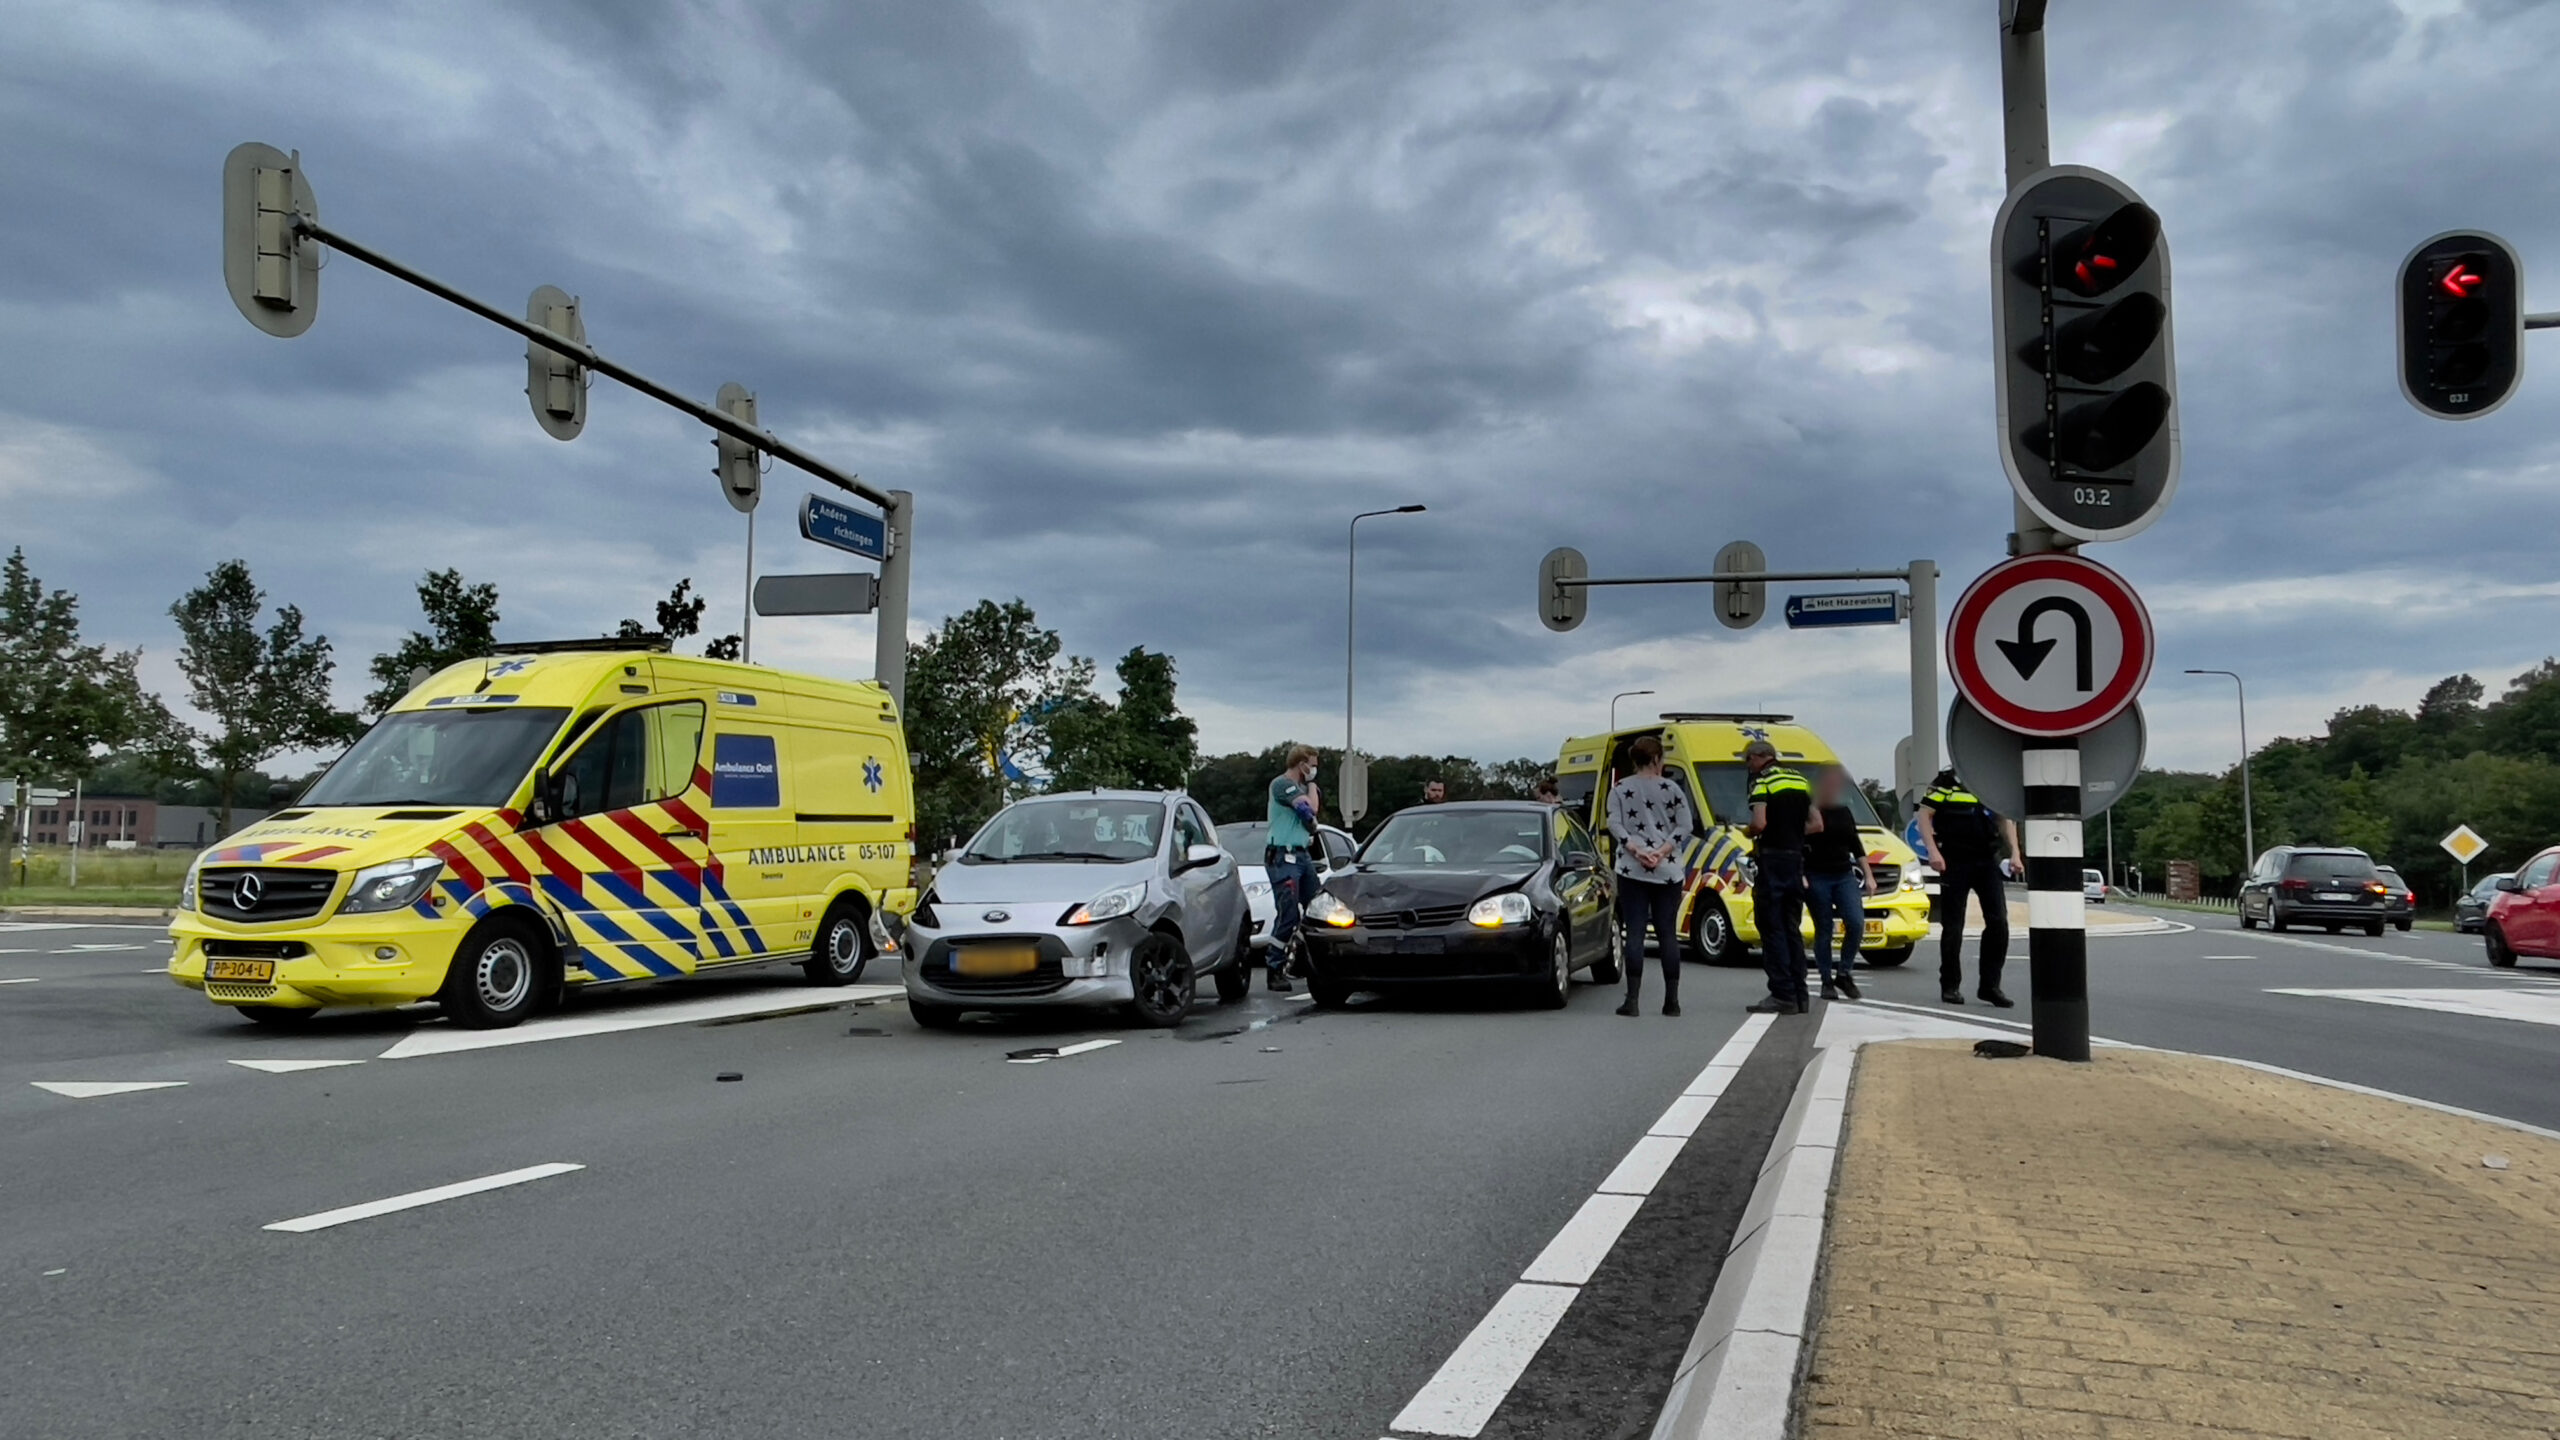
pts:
pixel 22 980
pixel 1085 1047
pixel 2231 957
pixel 1584 1241
pixel 1642 1169
pixel 96 949
pixel 1463 1396
pixel 1683 1118
pixel 19 950
pixel 92 1089
pixel 2533 1007
pixel 18 926
pixel 415 1198
pixel 288 1067
pixel 1479 1374
pixel 446 1041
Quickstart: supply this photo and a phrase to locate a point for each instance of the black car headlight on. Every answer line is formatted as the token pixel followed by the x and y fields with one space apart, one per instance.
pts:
pixel 1328 909
pixel 395 886
pixel 1495 911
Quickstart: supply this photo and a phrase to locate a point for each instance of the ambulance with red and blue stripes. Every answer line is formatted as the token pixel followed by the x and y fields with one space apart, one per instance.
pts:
pixel 561 816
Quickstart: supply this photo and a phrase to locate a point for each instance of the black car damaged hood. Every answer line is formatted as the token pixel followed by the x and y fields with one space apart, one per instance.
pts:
pixel 1367 891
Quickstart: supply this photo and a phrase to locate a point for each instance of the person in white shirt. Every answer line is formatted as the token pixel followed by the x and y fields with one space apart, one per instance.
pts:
pixel 1649 821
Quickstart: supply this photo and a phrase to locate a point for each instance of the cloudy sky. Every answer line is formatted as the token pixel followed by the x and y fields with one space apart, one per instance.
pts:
pixel 1142 300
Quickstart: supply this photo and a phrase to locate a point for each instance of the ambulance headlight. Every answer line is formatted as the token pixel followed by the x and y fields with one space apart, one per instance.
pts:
pixel 187 888
pixel 395 886
pixel 1109 905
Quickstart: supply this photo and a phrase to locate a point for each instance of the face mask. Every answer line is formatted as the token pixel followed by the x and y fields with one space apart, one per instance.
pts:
pixel 1312 772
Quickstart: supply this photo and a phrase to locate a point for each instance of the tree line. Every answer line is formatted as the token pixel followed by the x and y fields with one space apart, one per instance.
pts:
pixel 2390 782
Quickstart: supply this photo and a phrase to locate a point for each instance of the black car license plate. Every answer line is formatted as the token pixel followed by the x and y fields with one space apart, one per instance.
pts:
pixel 1422 945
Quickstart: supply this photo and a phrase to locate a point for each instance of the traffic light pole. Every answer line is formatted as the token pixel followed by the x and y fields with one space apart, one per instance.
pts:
pixel 2057 922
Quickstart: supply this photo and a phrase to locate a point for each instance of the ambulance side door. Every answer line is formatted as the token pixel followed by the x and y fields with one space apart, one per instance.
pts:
pixel 623 860
pixel 750 892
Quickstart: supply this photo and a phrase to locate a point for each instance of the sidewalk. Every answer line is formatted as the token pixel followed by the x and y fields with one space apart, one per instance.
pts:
pixel 2156 1245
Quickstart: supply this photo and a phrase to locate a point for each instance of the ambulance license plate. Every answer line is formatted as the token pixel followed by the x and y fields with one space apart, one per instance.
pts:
pixel 256 972
pixel 995 959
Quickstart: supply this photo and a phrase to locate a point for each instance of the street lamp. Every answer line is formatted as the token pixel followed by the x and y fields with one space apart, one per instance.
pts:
pixel 1351 616
pixel 1613 706
pixel 2248 819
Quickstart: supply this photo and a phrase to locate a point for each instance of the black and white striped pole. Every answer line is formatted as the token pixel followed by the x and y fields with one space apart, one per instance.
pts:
pixel 2057 918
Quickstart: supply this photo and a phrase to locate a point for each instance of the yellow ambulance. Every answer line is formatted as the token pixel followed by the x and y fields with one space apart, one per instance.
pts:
pixel 1702 754
pixel 567 815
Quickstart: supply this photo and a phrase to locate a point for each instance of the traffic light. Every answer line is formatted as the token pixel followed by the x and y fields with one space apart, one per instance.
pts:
pixel 271 268
pixel 2086 373
pixel 2461 324
pixel 741 469
pixel 555 383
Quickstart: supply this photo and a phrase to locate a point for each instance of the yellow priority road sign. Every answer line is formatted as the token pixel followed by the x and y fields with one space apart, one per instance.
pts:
pixel 2464 844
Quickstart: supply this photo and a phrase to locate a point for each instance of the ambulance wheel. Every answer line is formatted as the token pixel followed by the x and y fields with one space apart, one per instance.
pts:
pixel 1160 973
pixel 1711 933
pixel 1885 959
pixel 501 973
pixel 1235 981
pixel 279 1017
pixel 841 949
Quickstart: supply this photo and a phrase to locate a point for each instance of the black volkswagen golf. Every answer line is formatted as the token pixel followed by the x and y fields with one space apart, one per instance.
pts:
pixel 1481 891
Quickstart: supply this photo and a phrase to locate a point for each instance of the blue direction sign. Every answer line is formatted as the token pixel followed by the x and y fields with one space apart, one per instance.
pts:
pixel 845 528
pixel 1865 607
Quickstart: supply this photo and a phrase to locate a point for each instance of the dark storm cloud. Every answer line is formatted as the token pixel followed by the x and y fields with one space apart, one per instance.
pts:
pixel 1143 300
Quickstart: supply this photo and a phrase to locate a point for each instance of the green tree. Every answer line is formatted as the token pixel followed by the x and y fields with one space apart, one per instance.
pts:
pixel 62 703
pixel 1143 741
pixel 984 688
pixel 679 617
pixel 267 692
pixel 462 624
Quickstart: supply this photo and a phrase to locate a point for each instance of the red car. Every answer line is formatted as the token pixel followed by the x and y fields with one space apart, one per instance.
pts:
pixel 2524 916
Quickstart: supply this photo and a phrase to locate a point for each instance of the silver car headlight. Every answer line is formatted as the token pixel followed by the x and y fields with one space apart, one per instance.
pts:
pixel 1111 904
pixel 1495 911
pixel 394 886
pixel 1257 890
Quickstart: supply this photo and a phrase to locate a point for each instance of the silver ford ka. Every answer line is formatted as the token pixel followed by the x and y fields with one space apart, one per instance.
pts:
pixel 1097 898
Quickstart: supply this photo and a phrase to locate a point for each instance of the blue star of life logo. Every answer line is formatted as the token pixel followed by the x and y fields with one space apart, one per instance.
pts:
pixel 1754 732
pixel 505 668
pixel 873 776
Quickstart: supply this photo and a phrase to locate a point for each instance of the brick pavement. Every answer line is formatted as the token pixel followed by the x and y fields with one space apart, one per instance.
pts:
pixel 2158 1245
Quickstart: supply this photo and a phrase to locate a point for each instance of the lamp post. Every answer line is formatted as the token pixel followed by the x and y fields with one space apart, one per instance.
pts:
pixel 1351 615
pixel 1613 706
pixel 2248 816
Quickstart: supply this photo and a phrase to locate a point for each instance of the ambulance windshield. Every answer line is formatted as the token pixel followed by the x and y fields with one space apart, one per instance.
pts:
pixel 474 756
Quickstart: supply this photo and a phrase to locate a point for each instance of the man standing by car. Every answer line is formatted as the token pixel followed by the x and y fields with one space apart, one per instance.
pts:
pixel 1837 883
pixel 1781 816
pixel 1649 821
pixel 1961 836
pixel 1285 857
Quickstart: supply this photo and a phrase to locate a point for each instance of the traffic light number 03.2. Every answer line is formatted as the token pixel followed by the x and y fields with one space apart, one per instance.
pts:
pixel 2092 495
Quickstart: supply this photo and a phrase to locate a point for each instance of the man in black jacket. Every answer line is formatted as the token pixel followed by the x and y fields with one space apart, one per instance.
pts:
pixel 1961 837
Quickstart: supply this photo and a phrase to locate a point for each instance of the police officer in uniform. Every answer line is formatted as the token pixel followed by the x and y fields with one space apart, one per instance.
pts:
pixel 1782 814
pixel 1961 837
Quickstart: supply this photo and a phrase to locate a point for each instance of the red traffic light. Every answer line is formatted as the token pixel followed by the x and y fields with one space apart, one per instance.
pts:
pixel 2462 276
pixel 2097 257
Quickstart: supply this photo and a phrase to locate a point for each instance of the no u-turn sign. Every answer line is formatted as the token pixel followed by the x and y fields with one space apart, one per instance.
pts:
pixel 2049 644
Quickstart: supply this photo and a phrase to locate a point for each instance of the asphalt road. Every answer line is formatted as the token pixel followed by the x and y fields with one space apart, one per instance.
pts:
pixel 1267 1222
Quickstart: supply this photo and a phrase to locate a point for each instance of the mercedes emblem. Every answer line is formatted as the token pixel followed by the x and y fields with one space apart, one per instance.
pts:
pixel 245 892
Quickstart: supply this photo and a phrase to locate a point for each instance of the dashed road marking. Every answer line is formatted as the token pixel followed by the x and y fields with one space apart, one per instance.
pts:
pixel 305 1224
pixel 22 980
pixel 1477 1377
pixel 288 1067
pixel 2533 1007
pixel 92 1089
pixel 96 949
pixel 444 1040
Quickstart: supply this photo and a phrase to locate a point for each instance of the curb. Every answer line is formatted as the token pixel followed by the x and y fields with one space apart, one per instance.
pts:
pixel 1738 1379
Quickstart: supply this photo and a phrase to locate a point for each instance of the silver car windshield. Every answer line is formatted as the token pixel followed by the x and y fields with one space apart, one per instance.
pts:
pixel 1468 838
pixel 1078 827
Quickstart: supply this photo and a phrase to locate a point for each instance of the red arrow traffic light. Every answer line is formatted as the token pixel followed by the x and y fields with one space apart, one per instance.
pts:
pixel 2462 277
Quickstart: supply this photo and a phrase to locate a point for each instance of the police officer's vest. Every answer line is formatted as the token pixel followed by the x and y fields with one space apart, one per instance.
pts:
pixel 1965 827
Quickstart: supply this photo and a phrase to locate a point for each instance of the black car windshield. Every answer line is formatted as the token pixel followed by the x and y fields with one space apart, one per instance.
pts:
pixel 1070 828
pixel 1729 790
pixel 1460 839
pixel 466 755
pixel 2330 867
